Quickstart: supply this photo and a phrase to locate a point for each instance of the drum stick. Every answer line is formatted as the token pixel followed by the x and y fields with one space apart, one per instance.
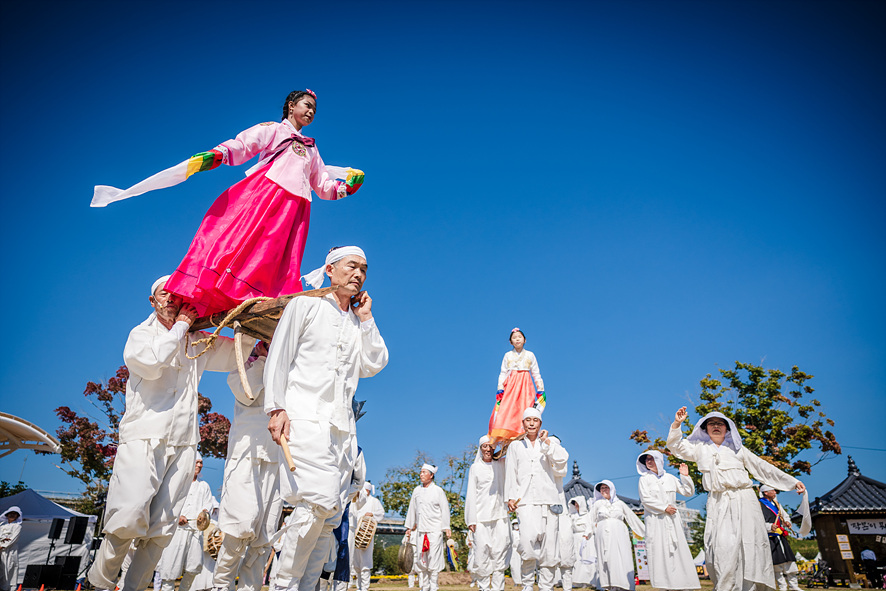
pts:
pixel 284 443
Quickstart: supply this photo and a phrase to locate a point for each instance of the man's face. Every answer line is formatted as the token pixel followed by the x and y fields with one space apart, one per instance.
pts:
pixel 198 467
pixel 425 477
pixel 486 451
pixel 531 425
pixel 165 304
pixel 770 494
pixel 350 272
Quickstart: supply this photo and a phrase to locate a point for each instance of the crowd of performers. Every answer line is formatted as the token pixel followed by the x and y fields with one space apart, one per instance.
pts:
pixel 299 407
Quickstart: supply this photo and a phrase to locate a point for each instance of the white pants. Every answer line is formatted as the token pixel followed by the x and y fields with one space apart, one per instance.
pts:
pixel 361 564
pixel 539 529
pixel 491 541
pixel 324 457
pixel 8 568
pixel 430 563
pixel 146 493
pixel 786 576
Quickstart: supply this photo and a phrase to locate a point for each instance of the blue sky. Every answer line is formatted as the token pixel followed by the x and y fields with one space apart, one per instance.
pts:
pixel 651 190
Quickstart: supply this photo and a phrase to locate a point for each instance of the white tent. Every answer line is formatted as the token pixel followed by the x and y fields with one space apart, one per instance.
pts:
pixel 33 544
pixel 699 559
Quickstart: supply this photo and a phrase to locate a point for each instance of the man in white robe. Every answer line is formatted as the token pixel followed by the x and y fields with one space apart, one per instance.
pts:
pixel 367 504
pixel 153 467
pixel 532 466
pixel 10 530
pixel 565 542
pixel 487 517
pixel 320 350
pixel 250 501
pixel 183 557
pixel 427 520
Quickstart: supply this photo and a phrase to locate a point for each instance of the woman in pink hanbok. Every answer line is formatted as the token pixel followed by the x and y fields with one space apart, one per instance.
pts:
pixel 519 387
pixel 251 241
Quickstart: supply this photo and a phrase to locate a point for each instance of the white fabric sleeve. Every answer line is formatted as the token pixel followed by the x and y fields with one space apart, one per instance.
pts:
pixel 255 371
pixel 511 492
pixel 652 496
pixel 411 517
pixel 248 143
pixel 373 352
pixel 632 520
pixel 471 499
pixel 147 354
pixel 557 456
pixel 282 349
pixel 685 450
pixel 685 486
pixel 536 374
pixel 12 536
pixel 223 354
pixel 444 505
pixel 766 472
pixel 503 374
pixel 378 510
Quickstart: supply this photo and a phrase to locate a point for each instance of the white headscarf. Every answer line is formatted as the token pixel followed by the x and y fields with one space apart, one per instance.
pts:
pixel 659 463
pixel 369 488
pixel 699 435
pixel 315 278
pixel 582 504
pixel 532 412
pixel 160 283
pixel 598 496
pixel 429 468
pixel 479 456
pixel 765 488
pixel 12 509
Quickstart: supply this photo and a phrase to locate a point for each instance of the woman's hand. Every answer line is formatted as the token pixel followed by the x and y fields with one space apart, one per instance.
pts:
pixel 684 470
pixel 801 488
pixel 680 416
pixel 671 510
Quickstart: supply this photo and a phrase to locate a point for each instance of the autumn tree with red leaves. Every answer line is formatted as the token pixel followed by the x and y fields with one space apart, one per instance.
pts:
pixel 88 447
pixel 774 425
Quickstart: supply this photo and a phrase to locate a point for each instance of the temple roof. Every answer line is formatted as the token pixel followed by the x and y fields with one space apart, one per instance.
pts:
pixel 577 486
pixel 856 494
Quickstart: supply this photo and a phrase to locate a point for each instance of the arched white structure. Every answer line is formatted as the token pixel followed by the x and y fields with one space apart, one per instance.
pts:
pixel 16 433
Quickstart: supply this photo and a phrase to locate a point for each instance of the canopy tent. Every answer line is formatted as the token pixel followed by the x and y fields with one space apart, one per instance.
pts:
pixel 34 543
pixel 16 433
pixel 699 560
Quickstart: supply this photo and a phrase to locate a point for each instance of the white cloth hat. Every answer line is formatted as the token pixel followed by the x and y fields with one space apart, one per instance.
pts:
pixel 531 412
pixel 159 283
pixel 15 509
pixel 484 439
pixel 429 468
pixel 315 278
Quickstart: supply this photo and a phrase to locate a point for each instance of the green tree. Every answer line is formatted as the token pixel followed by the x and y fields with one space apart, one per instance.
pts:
pixel 7 489
pixel 774 411
pixel 452 475
pixel 696 533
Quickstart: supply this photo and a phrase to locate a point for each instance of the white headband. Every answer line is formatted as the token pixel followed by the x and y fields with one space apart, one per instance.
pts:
pixel 429 468
pixel 531 412
pixel 160 283
pixel 315 278
pixel 484 439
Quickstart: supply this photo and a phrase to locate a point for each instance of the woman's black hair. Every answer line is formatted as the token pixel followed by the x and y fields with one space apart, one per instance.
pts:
pixel 293 98
pixel 512 334
pixel 704 424
pixel 643 458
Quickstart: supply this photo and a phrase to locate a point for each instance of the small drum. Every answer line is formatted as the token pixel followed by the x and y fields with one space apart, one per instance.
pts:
pixel 212 540
pixel 365 531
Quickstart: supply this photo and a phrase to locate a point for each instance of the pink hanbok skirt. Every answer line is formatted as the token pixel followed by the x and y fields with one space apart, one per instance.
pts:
pixel 519 394
pixel 249 244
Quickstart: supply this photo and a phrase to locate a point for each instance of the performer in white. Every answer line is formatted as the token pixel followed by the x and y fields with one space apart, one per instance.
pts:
pixel 10 530
pixel 735 541
pixel 153 467
pixel 367 504
pixel 532 466
pixel 584 572
pixel 183 557
pixel 670 561
pixel 320 350
pixel 513 555
pixel 615 556
pixel 250 501
pixel 566 543
pixel 427 519
pixel 487 517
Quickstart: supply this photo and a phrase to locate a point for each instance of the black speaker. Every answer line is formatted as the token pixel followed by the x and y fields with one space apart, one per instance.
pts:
pixel 76 530
pixel 42 574
pixel 55 530
pixel 70 564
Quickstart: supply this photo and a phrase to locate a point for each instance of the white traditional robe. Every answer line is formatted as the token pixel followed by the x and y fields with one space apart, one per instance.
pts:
pixel 485 509
pixel 154 464
pixel 615 556
pixel 362 559
pixel 523 361
pixel 184 554
pixel 735 539
pixel 250 501
pixel 428 515
pixel 9 534
pixel 585 568
pixel 670 561
pixel 318 354
pixel 532 470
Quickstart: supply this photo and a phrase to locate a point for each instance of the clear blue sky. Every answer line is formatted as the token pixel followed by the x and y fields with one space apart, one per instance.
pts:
pixel 651 190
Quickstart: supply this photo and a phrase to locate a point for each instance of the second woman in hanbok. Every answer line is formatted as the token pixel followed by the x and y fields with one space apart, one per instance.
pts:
pixel 516 391
pixel 615 555
pixel 670 561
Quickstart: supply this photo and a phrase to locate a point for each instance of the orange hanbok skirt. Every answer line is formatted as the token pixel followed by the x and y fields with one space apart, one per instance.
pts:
pixel 519 393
